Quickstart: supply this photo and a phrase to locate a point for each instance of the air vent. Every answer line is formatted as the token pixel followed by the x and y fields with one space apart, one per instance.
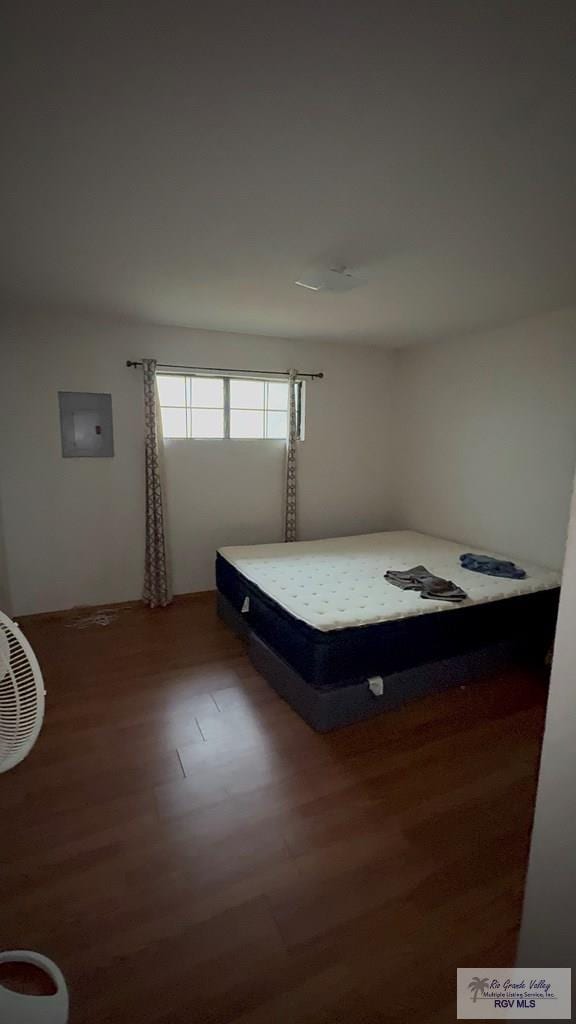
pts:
pixel 337 279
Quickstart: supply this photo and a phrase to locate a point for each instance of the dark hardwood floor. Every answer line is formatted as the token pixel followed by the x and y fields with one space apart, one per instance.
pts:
pixel 188 850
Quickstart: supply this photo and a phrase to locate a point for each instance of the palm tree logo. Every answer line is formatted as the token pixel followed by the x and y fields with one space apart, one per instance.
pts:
pixel 478 985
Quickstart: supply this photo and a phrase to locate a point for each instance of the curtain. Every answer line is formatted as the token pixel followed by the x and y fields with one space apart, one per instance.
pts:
pixel 156 591
pixel 290 491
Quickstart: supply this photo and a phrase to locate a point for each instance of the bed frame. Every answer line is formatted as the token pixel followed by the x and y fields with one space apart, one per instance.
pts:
pixel 325 708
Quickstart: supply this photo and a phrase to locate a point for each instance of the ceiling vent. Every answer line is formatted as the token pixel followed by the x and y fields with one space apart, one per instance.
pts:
pixel 337 279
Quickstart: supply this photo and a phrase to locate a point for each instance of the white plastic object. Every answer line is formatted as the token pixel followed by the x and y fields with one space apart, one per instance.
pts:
pixel 245 605
pixel 21 696
pixel 17 1008
pixel 376 685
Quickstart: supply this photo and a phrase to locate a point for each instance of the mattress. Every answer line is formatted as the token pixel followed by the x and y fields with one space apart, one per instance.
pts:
pixel 327 609
pixel 338 583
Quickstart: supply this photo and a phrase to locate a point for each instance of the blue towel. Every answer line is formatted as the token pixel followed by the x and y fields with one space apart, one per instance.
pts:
pixel 491 566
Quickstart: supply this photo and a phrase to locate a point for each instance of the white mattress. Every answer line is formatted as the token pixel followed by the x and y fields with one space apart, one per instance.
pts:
pixel 337 583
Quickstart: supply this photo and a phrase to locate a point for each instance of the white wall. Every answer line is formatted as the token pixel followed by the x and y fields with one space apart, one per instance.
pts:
pixel 485 432
pixel 472 439
pixel 74 527
pixel 5 599
pixel 548 933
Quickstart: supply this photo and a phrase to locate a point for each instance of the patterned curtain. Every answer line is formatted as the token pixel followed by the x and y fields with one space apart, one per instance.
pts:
pixel 156 591
pixel 291 494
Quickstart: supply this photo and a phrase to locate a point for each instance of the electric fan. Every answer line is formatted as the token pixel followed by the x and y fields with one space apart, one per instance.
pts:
pixel 21 716
pixel 21 695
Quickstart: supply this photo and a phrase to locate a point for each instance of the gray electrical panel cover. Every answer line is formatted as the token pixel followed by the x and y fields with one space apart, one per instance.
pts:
pixel 86 425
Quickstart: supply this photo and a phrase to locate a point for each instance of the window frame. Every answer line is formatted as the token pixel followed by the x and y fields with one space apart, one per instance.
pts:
pixel 226 407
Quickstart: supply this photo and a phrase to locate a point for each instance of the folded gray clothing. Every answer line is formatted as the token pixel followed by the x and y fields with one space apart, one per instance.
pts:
pixel 410 579
pixel 431 587
pixel 444 591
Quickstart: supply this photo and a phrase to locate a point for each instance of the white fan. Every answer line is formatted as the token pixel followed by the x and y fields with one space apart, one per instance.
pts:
pixel 21 716
pixel 21 695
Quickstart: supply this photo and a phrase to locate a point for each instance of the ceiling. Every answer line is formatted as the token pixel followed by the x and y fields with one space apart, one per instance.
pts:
pixel 169 164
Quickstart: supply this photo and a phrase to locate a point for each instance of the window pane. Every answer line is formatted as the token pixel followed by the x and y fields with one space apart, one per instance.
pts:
pixel 276 424
pixel 172 390
pixel 173 422
pixel 246 423
pixel 277 395
pixel 207 423
pixel 247 394
pixel 207 392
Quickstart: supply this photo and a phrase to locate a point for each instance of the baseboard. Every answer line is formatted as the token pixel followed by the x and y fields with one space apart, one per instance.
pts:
pixel 93 609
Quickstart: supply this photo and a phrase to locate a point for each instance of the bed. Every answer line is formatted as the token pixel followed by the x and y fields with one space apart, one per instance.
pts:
pixel 341 643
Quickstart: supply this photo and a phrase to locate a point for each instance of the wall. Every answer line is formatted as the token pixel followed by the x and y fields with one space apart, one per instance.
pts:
pixel 5 599
pixel 472 439
pixel 548 933
pixel 74 528
pixel 485 431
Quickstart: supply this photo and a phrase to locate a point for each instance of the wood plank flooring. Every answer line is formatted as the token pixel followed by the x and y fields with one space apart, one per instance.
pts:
pixel 190 852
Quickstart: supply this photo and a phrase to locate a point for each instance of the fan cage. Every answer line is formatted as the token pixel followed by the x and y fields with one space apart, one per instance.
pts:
pixel 21 695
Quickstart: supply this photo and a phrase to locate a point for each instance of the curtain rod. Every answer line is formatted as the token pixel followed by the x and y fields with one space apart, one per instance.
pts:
pixel 225 372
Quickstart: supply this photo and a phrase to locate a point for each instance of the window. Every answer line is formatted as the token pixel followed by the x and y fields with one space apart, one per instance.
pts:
pixel 226 407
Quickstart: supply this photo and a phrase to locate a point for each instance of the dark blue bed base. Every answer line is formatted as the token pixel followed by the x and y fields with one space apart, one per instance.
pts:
pixel 345 657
